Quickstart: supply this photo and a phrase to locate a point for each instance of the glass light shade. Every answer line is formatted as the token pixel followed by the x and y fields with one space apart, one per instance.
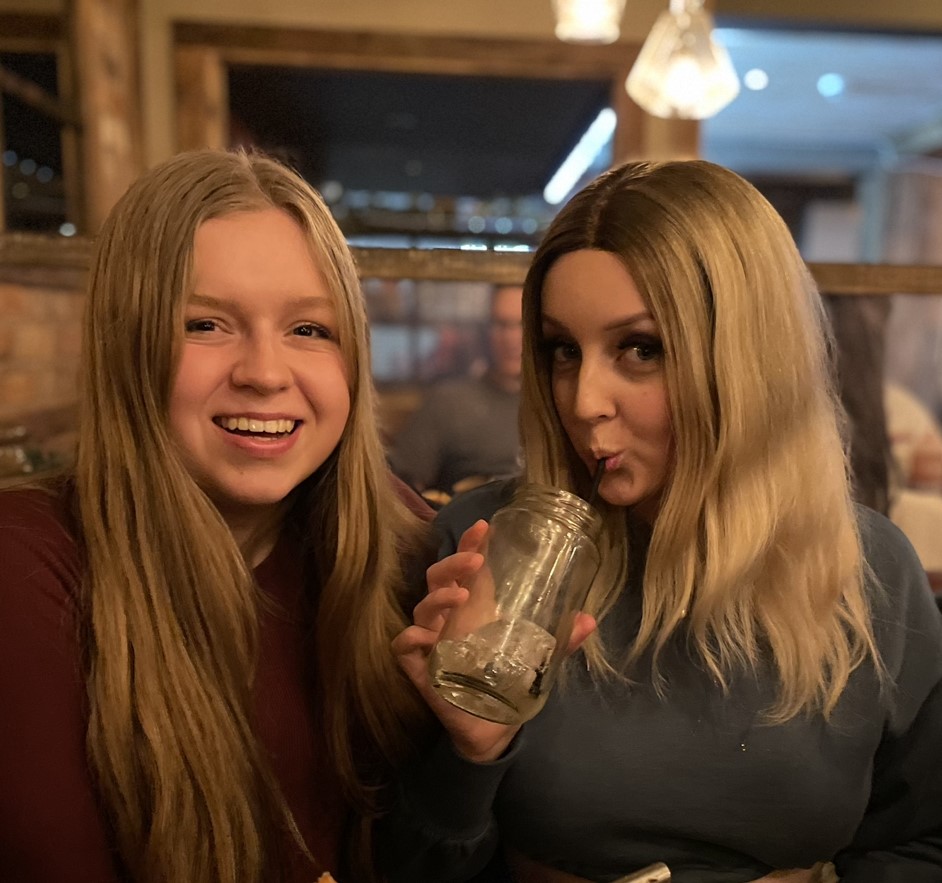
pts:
pixel 681 71
pixel 588 21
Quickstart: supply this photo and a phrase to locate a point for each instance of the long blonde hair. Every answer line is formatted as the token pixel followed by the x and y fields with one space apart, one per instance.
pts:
pixel 755 552
pixel 170 606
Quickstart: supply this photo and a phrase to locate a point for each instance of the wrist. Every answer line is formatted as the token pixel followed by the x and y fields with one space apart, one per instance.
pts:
pixel 475 753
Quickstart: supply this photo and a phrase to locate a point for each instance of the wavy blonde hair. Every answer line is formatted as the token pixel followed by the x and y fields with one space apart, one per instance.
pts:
pixel 170 606
pixel 755 552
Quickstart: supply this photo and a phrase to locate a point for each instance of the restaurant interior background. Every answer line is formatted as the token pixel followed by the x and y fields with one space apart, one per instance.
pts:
pixel 438 125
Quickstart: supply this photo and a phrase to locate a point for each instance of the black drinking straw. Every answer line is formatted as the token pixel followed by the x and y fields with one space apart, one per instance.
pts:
pixel 596 481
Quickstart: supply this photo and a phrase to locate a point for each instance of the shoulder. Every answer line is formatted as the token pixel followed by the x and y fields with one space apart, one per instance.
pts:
pixel 899 584
pixel 906 620
pixel 458 515
pixel 415 503
pixel 37 541
pixel 885 547
pixel 37 511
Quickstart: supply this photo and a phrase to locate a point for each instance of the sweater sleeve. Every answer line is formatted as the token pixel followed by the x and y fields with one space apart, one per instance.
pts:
pixel 442 829
pixel 51 828
pixel 900 837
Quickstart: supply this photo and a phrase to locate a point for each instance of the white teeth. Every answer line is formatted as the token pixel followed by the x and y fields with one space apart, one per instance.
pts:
pixel 258 427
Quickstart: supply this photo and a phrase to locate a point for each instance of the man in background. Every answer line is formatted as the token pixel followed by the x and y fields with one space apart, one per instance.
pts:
pixel 465 431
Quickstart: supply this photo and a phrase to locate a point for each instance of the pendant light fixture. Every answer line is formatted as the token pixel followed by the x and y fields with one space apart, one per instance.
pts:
pixel 588 21
pixel 681 71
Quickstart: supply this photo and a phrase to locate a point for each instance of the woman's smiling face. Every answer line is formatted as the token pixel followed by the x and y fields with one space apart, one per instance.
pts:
pixel 607 375
pixel 261 398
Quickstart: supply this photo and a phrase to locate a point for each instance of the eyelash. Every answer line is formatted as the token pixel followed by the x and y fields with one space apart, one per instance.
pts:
pixel 639 343
pixel 319 330
pixel 192 326
pixel 553 346
pixel 205 326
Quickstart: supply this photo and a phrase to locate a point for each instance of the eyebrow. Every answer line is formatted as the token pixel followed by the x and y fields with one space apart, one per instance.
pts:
pixel 625 322
pixel 205 300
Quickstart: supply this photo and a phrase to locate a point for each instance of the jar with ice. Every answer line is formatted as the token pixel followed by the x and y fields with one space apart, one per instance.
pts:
pixel 498 654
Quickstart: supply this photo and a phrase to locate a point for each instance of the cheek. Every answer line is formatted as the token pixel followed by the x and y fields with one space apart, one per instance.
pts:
pixel 328 389
pixel 664 421
pixel 185 390
pixel 561 403
pixel 560 391
pixel 662 430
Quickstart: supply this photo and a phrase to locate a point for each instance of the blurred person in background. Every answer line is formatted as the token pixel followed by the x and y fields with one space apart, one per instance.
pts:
pixel 465 431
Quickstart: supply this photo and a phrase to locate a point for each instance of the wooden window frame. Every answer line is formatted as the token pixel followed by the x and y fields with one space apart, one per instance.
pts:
pixel 203 52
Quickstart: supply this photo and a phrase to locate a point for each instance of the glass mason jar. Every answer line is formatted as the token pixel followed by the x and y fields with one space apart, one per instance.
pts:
pixel 498 654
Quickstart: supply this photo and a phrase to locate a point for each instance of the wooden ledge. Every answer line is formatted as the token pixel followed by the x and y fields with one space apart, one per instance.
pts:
pixel 33 259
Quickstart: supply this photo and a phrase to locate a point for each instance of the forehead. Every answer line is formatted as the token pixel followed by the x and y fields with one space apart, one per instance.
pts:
pixel 262 253
pixel 589 285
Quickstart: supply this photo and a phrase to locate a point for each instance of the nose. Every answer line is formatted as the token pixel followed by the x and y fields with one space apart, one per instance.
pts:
pixel 261 365
pixel 593 395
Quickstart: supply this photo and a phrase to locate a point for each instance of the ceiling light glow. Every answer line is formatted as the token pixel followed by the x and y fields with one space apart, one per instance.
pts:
pixel 581 157
pixel 831 85
pixel 755 79
pixel 588 21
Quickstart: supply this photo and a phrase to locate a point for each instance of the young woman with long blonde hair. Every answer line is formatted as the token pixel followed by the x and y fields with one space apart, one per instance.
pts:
pixel 762 698
pixel 194 624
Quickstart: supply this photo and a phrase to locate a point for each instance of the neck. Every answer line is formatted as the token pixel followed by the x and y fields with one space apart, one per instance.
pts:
pixel 256 532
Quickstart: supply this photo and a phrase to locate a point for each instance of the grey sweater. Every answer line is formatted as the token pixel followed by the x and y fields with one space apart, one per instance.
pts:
pixel 607 780
pixel 463 428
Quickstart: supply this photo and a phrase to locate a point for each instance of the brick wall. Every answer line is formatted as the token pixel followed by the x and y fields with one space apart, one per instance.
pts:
pixel 42 284
pixel 40 340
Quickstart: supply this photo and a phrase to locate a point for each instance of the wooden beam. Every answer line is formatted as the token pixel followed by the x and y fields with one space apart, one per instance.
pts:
pixel 28 32
pixel 35 252
pixel 642 136
pixel 877 279
pixel 104 48
pixel 405 53
pixel 501 268
pixel 70 140
pixel 3 189
pixel 202 89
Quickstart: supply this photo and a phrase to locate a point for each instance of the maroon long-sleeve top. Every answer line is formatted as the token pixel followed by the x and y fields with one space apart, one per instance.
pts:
pixel 52 827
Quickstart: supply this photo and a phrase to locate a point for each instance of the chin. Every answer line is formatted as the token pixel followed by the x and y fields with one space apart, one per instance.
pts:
pixel 627 497
pixel 248 498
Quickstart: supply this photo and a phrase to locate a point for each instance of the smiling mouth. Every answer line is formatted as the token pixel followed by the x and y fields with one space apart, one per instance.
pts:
pixel 245 426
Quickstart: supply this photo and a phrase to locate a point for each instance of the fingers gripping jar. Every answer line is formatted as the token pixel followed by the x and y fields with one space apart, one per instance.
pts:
pixel 499 653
